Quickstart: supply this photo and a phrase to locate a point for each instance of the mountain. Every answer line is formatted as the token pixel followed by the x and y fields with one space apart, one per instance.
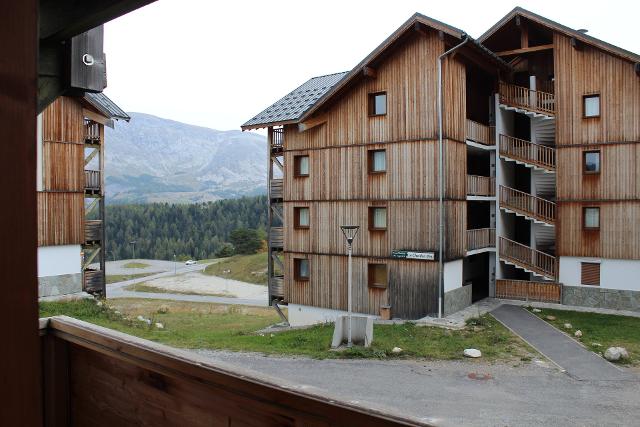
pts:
pixel 151 159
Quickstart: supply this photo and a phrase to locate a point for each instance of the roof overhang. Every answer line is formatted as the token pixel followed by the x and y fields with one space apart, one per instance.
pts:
pixel 587 39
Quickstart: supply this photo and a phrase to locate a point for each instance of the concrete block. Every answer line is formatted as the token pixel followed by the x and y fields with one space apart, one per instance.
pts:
pixel 361 330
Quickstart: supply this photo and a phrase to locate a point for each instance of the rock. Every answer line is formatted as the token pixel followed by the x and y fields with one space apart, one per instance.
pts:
pixel 147 321
pixel 568 326
pixel 596 344
pixel 614 354
pixel 163 309
pixel 159 325
pixel 272 335
pixel 99 304
pixel 140 318
pixel 117 313
pixel 396 350
pixel 578 333
pixel 550 317
pixel 472 352
pixel 537 310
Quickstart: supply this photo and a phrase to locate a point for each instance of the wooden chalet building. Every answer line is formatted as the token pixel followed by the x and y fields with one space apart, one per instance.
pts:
pixel 537 136
pixel 70 185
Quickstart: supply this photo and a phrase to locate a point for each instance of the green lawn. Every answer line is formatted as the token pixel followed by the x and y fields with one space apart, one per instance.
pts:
pixel 114 278
pixel 145 287
pixel 136 265
pixel 604 329
pixel 215 326
pixel 246 268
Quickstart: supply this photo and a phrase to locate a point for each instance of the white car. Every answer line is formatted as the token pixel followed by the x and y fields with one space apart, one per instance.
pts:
pixel 190 262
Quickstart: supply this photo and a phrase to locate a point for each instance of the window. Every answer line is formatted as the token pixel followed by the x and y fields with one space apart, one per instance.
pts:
pixel 377 276
pixel 590 273
pixel 591 218
pixel 378 104
pixel 301 166
pixel 377 218
pixel 301 269
pixel 591 162
pixel 591 105
pixel 301 217
pixel 377 161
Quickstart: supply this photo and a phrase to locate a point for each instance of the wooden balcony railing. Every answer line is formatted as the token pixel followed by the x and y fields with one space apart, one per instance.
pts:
pixel 481 185
pixel 480 238
pixel 525 204
pixel 91 131
pixel 277 138
pixel 276 286
pixel 94 280
pixel 276 189
pixel 523 97
pixel 529 291
pixel 527 258
pixel 276 237
pixel 92 230
pixel 528 152
pixel 92 180
pixel 482 134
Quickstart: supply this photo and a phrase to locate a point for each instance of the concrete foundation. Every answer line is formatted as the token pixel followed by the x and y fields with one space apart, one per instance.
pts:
pixel 596 297
pixel 59 285
pixel 457 299
pixel 304 315
pixel 361 330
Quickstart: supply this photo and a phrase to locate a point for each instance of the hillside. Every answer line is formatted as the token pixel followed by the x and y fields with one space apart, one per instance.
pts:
pixel 152 159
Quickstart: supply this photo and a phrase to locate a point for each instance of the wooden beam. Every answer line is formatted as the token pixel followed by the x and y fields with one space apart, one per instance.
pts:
pixel 370 72
pixel 525 50
pixel 441 35
pixel 575 43
pixel 637 68
pixel 313 121
pixel 419 28
pixel 98 118
pixel 524 36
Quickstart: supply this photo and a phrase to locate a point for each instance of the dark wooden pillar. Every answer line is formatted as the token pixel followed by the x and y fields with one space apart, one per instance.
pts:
pixel 20 367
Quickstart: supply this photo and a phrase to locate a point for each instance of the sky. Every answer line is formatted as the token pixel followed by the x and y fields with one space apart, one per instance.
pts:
pixel 219 63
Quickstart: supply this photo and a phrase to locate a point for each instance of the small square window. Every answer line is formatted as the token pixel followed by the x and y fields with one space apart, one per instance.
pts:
pixel 591 162
pixel 301 217
pixel 591 105
pixel 378 104
pixel 591 218
pixel 377 161
pixel 377 218
pixel 301 166
pixel 590 273
pixel 301 269
pixel 377 276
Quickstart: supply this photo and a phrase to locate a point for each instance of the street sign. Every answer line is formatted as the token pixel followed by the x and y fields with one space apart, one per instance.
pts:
pixel 425 256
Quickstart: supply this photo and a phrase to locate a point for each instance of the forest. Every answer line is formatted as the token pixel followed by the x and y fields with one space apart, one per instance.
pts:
pixel 188 231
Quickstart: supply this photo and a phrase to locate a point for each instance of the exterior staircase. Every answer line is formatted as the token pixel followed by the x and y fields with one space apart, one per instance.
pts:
pixel 533 103
pixel 533 261
pixel 532 155
pixel 536 209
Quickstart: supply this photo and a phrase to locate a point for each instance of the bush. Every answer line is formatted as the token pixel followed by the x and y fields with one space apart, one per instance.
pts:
pixel 246 241
pixel 225 251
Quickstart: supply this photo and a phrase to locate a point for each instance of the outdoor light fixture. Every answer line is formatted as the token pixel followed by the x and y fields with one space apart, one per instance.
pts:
pixel 349 232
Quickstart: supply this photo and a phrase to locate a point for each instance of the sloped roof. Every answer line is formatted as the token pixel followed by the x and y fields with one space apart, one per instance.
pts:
pixel 105 106
pixel 292 106
pixel 608 47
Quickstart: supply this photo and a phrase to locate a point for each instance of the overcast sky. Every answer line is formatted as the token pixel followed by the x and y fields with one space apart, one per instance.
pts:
pixel 217 64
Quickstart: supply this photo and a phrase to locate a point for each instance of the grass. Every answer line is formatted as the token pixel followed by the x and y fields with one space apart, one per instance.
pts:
pixel 604 329
pixel 114 278
pixel 145 287
pixel 207 261
pixel 215 326
pixel 136 265
pixel 246 268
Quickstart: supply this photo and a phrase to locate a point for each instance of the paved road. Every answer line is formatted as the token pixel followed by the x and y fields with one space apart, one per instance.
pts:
pixel 443 394
pixel 154 266
pixel 563 350
pixel 116 290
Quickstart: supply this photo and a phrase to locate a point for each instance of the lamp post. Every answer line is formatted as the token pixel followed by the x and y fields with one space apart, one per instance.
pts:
pixel 175 265
pixel 133 246
pixel 349 232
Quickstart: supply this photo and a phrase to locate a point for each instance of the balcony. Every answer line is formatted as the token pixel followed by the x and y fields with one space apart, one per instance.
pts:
pixel 91 132
pixel 481 134
pixel 94 281
pixel 92 181
pixel 525 152
pixel 276 286
pixel 484 186
pixel 276 189
pixel 534 103
pixel 277 139
pixel 92 231
pixel 529 291
pixel 534 208
pixel 481 238
pixel 529 259
pixel 276 237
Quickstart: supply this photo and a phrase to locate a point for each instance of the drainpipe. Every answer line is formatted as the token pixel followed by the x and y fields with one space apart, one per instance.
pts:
pixel 441 182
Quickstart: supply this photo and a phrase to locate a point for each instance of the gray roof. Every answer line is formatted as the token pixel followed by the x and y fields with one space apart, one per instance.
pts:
pixel 293 105
pixel 105 106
